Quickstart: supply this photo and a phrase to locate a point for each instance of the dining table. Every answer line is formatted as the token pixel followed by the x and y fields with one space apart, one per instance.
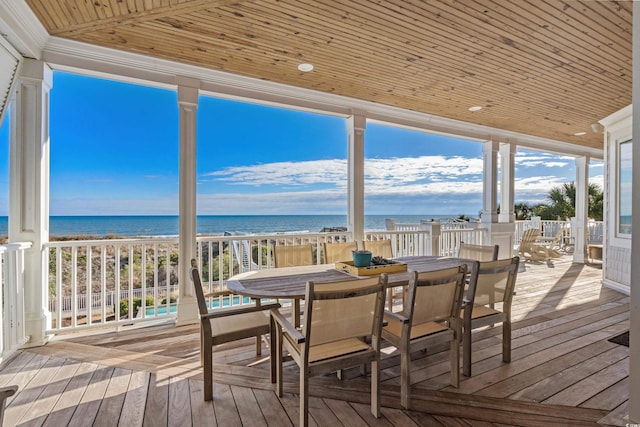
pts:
pixel 291 282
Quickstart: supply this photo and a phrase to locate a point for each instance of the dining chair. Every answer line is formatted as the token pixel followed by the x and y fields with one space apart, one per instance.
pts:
pixel 477 252
pixel 342 324
pixel 221 325
pixel 336 252
pixel 381 248
pixel 492 284
pixel 384 249
pixel 430 317
pixel 292 255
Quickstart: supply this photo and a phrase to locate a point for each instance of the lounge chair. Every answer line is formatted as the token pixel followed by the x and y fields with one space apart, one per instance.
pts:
pixel 531 250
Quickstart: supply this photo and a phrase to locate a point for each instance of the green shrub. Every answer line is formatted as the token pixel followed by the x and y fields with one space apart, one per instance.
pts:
pixel 137 303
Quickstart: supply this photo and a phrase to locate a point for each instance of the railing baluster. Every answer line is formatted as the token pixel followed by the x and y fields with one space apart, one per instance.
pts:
pixel 89 301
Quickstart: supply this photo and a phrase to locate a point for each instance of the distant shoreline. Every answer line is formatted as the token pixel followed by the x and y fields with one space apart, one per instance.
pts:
pixel 129 226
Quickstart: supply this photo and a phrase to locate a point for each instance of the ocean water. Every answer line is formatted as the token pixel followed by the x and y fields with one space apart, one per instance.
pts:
pixel 128 226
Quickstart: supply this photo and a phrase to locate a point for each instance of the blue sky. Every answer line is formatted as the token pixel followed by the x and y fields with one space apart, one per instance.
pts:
pixel 114 151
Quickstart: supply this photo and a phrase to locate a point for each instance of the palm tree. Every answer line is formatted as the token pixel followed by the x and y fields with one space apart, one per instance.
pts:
pixel 563 200
pixel 523 211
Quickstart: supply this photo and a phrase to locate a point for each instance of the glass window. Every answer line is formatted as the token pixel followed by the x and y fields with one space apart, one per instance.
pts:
pixel 624 189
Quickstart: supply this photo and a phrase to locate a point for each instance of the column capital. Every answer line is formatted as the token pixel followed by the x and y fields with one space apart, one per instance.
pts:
pixel 33 69
pixel 357 122
pixel 188 91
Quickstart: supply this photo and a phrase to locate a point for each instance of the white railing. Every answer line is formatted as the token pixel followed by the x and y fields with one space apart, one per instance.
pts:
pixel 549 228
pixel 450 239
pixel 98 283
pixel 98 270
pixel 12 321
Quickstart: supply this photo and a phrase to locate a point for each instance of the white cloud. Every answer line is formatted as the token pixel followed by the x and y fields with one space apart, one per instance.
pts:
pixel 378 172
pixel 530 159
pixel 418 185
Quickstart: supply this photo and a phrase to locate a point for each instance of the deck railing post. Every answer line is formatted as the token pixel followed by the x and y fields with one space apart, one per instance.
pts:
pixel 434 229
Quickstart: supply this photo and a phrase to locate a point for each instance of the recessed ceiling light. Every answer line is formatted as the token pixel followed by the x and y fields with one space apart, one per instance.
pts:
pixel 305 68
pixel 475 108
pixel 580 133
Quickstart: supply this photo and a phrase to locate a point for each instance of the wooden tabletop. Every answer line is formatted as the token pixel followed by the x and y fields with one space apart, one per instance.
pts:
pixel 291 282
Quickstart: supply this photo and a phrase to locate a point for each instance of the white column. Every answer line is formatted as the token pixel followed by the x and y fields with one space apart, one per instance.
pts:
pixel 29 189
pixel 188 104
pixel 498 233
pixel 356 125
pixel 634 307
pixel 580 223
pixel 489 212
pixel 507 177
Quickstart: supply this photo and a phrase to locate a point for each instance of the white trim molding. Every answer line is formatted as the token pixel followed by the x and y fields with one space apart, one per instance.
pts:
pixel 21 28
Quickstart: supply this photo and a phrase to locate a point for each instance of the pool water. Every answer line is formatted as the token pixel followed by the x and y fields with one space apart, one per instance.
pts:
pixel 215 303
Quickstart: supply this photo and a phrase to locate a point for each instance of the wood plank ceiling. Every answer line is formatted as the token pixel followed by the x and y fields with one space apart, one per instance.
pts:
pixel 548 68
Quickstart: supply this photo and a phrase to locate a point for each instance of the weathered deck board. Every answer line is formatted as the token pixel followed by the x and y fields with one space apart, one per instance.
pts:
pixel 563 372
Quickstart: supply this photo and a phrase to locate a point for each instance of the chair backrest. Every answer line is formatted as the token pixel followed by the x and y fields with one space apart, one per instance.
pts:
pixel 293 255
pixel 477 252
pixel 336 252
pixel 557 239
pixel 197 285
pixel 528 238
pixel 435 296
pixel 493 281
pixel 347 309
pixel 379 248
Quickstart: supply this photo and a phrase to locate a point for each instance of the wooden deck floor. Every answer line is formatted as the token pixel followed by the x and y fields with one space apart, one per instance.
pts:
pixel 563 372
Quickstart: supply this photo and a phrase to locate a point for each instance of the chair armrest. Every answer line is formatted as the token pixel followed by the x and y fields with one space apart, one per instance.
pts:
pixel 215 294
pixel 396 316
pixel 287 326
pixel 232 311
pixel 8 391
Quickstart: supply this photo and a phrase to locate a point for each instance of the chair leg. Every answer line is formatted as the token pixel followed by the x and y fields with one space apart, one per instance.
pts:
pixel 259 345
pixel 272 351
pixel 506 341
pixel 375 388
pixel 455 362
pixel 304 398
pixel 278 367
pixel 201 348
pixel 466 351
pixel 405 384
pixel 207 353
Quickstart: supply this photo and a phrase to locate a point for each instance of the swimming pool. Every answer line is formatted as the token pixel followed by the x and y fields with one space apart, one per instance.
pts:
pixel 215 303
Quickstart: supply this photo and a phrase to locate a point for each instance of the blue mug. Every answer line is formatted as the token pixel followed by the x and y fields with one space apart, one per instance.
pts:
pixel 361 258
